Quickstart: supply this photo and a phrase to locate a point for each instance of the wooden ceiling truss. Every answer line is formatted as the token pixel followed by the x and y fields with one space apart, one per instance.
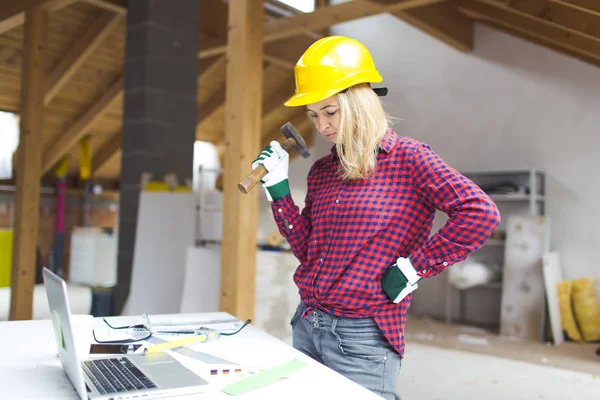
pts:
pixel 73 109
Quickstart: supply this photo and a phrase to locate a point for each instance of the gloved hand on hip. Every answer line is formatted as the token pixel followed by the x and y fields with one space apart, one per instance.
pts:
pixel 399 280
pixel 276 160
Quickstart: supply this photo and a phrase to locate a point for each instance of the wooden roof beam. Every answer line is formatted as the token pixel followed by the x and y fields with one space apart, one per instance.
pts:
pixel 107 153
pixel 279 61
pixel 552 37
pixel 12 14
pixel 571 20
pixel 303 125
pixel 71 137
pixel 212 105
pixel 270 105
pixel 117 7
pixel 588 6
pixel 444 22
pixel 217 100
pixel 273 103
pixel 277 5
pixel 79 52
pixel 321 18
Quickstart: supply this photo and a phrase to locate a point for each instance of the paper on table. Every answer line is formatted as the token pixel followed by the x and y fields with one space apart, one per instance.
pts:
pixel 235 349
pixel 262 378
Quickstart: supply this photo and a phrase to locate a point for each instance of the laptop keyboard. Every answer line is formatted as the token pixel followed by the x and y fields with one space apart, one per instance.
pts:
pixel 118 374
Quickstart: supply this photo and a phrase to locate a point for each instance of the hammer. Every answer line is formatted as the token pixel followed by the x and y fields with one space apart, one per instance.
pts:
pixel 293 141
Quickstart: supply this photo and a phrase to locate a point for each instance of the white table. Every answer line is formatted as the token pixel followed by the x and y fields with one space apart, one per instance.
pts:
pixel 30 369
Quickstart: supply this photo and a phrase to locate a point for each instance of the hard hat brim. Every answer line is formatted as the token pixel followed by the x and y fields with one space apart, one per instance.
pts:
pixel 302 99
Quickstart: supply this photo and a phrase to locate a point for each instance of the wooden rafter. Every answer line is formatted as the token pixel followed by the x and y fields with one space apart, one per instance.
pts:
pixel 273 102
pixel 279 61
pixel 12 13
pixel 217 100
pixel 215 103
pixel 290 11
pixel 303 125
pixel 71 137
pixel 300 121
pixel 321 18
pixel 570 20
pixel 115 7
pixel 270 105
pixel 584 48
pixel 276 101
pixel 107 153
pixel 444 22
pixel 78 53
pixel 589 6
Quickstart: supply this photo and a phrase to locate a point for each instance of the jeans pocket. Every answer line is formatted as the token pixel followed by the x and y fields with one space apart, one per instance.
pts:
pixel 368 347
pixel 297 315
pixel 365 350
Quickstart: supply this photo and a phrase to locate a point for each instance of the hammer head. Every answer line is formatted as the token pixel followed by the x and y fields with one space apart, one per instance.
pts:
pixel 290 132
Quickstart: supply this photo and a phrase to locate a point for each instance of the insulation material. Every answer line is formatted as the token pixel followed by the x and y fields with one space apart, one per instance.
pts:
pixel 567 318
pixel 165 230
pixel 93 257
pixel 202 284
pixel 9 140
pixel 468 274
pixel 522 309
pixel 586 308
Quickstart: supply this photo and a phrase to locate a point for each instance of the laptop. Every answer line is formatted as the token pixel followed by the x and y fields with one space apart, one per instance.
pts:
pixel 116 377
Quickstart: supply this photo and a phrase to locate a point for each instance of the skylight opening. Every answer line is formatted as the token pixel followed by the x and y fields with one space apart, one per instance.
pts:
pixel 306 6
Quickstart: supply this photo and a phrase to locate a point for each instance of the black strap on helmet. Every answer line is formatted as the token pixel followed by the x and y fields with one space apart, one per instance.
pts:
pixel 378 91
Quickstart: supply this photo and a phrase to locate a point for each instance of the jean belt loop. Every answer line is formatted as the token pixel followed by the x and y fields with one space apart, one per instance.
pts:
pixel 334 324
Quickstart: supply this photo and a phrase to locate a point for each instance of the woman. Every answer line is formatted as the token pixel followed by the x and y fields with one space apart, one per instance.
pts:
pixel 362 238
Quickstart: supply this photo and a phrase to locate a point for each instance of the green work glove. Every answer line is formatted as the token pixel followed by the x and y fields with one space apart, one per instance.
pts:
pixel 399 280
pixel 276 160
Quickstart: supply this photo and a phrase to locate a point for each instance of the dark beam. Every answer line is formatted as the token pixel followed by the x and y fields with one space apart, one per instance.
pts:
pixel 444 22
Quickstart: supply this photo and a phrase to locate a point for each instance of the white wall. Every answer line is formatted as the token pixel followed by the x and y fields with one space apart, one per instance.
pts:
pixel 508 104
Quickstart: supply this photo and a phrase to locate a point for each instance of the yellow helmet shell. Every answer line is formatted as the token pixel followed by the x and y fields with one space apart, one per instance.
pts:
pixel 329 66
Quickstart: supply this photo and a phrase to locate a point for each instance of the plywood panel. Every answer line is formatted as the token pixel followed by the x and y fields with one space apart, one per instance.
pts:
pixel 523 282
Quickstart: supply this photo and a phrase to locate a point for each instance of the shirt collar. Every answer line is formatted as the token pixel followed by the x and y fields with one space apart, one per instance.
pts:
pixel 387 141
pixel 385 145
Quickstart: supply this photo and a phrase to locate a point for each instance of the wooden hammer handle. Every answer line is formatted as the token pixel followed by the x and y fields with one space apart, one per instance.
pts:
pixel 257 173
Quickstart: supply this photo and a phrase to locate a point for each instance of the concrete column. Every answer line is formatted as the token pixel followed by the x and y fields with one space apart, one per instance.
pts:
pixel 159 116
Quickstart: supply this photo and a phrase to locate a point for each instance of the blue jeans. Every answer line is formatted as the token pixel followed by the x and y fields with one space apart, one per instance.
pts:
pixel 353 347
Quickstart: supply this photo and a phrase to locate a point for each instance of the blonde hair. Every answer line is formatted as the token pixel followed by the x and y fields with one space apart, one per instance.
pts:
pixel 363 123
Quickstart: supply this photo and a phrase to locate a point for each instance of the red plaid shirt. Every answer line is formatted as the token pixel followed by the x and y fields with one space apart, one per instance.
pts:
pixel 350 232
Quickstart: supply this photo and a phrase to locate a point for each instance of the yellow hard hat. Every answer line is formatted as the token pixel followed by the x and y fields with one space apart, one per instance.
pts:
pixel 329 66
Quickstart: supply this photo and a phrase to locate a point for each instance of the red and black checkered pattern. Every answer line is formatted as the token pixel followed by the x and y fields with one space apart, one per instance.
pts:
pixel 350 231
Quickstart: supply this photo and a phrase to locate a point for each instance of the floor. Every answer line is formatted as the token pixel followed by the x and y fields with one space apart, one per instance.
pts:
pixel 453 362
pixel 573 356
pixel 431 373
